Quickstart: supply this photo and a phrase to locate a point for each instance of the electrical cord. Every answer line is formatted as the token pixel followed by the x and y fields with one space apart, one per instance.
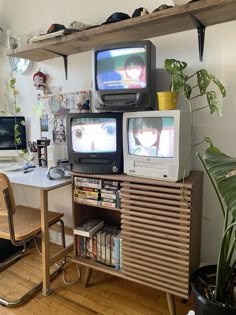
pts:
pixel 62 266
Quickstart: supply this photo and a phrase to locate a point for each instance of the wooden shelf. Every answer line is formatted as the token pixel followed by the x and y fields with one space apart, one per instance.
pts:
pixel 172 20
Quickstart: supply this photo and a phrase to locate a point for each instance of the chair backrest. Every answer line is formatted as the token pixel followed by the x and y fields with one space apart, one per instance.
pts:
pixel 7 202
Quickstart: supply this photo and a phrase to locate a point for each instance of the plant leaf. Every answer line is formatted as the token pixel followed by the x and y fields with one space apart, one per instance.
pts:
pixel 12 83
pixel 223 170
pixel 187 91
pixel 219 84
pixel 173 65
pixel 203 80
pixel 214 104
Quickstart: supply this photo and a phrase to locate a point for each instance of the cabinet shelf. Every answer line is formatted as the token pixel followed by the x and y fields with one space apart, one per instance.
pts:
pixel 95 265
pixel 169 21
pixel 85 203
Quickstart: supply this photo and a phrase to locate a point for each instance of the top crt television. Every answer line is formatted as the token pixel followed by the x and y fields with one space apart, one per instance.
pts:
pixel 124 76
pixel 8 144
pixel 157 144
pixel 94 142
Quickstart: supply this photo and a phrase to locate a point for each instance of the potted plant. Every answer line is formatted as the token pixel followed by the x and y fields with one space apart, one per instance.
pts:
pixel 194 85
pixel 214 287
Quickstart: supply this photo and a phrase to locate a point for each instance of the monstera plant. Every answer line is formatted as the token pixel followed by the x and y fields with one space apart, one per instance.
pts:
pixel 198 84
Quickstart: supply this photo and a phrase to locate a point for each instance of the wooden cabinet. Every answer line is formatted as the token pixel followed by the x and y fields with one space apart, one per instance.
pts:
pixel 199 15
pixel 161 231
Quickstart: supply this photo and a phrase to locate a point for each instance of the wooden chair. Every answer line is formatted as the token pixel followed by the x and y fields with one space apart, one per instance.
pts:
pixel 20 224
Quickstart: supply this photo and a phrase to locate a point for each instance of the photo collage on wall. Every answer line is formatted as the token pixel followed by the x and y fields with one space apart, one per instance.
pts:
pixel 54 111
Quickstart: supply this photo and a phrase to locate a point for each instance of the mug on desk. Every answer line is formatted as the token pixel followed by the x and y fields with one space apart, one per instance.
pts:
pixel 34 158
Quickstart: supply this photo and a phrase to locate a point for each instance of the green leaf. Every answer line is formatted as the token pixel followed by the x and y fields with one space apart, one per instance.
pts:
pixel 187 91
pixel 214 104
pixel 203 80
pixel 173 65
pixel 219 84
pixel 223 170
pixel 17 109
pixel 12 83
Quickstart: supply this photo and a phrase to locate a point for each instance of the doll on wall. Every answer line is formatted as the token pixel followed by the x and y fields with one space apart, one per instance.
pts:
pixel 39 79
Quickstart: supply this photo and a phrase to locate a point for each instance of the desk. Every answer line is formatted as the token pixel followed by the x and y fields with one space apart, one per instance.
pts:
pixel 38 179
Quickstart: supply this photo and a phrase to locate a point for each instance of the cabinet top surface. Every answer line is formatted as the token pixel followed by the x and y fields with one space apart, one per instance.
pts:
pixel 188 181
pixel 172 20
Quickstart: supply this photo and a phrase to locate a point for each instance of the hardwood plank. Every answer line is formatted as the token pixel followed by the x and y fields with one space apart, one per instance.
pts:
pixel 105 294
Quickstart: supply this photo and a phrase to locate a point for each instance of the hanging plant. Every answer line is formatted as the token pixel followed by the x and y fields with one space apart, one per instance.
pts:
pixel 24 153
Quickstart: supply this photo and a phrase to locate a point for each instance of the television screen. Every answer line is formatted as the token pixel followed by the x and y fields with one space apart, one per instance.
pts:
pixel 151 136
pixel 157 144
pixel 94 142
pixel 124 76
pixel 94 134
pixel 121 68
pixel 8 126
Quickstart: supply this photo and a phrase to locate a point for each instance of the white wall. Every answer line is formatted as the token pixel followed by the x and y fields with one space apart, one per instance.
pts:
pixel 219 58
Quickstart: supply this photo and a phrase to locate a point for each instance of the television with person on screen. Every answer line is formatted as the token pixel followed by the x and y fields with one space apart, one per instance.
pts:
pixel 157 144
pixel 94 142
pixel 124 76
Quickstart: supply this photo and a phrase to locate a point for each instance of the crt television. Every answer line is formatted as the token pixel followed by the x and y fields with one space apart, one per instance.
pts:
pixel 124 76
pixel 157 144
pixel 94 142
pixel 12 127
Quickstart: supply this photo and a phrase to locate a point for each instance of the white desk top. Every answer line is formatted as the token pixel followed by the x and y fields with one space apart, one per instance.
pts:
pixel 37 179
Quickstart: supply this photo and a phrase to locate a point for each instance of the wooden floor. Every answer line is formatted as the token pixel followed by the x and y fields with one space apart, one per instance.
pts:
pixel 106 294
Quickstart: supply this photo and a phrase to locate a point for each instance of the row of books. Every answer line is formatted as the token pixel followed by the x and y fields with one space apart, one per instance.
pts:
pixel 97 191
pixel 99 242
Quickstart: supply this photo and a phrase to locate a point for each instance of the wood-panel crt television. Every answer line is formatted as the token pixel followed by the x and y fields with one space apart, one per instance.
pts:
pixel 157 144
pixel 124 76
pixel 94 142
pixel 12 127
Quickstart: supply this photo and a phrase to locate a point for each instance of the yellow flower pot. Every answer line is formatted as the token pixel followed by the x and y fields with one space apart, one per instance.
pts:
pixel 167 100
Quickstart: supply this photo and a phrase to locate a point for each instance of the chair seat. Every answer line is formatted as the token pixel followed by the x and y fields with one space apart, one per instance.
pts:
pixel 26 228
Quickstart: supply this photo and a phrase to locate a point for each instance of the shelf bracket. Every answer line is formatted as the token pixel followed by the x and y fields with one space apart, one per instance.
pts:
pixel 201 35
pixel 65 58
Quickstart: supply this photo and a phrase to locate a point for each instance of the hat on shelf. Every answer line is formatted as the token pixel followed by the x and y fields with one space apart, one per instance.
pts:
pixel 162 7
pixel 55 28
pixel 116 17
pixel 80 26
pixel 139 12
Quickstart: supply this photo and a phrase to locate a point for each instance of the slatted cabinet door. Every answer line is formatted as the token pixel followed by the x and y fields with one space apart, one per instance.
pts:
pixel 156 235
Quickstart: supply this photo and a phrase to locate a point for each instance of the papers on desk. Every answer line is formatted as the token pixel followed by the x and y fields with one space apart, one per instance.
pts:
pixel 11 167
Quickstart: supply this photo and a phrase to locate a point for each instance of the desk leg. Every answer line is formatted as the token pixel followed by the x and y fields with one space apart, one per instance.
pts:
pixel 45 243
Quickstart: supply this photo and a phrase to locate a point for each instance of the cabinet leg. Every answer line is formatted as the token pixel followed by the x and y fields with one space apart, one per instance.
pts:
pixel 87 275
pixel 171 303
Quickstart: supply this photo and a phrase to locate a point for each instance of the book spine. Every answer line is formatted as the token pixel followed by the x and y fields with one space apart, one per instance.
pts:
pixel 87 201
pixel 99 245
pixel 109 184
pixel 108 249
pixel 103 247
pixel 89 248
pixel 77 239
pixel 108 204
pixel 94 246
pixel 120 253
pixel 117 253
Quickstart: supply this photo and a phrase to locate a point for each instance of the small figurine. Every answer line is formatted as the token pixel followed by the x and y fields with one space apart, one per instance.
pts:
pixel 39 79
